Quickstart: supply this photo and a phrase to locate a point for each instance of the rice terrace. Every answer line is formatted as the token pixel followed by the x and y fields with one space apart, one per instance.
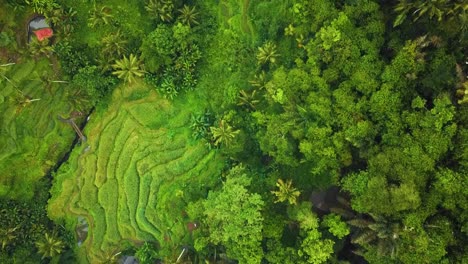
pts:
pixel 135 164
pixel 233 131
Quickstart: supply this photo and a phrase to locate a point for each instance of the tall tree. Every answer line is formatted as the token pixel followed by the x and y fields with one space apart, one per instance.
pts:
pixel 50 246
pixel 223 134
pixel 286 192
pixel 114 43
pixel 267 53
pixel 100 15
pixel 188 15
pixel 161 9
pixel 128 68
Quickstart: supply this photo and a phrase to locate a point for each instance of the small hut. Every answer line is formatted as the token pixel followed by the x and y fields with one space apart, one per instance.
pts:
pixel 39 27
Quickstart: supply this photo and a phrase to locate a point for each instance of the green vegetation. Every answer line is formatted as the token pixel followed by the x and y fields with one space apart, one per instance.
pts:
pixel 33 139
pixel 234 131
pixel 135 165
pixel 50 246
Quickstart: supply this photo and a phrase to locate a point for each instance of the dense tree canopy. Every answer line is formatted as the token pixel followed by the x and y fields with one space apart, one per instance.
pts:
pixel 299 131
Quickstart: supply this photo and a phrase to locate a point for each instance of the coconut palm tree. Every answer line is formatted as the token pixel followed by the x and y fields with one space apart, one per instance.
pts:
pixel 462 85
pixel 161 9
pixel 188 15
pixel 50 246
pixel 7 236
pixel 286 192
pixel 378 230
pixel 99 16
pixel 372 229
pixel 223 134
pixel 289 30
pixel 128 68
pixel 267 53
pixel 113 47
pixel 114 43
pixel 438 9
pixel 248 99
pixel 259 81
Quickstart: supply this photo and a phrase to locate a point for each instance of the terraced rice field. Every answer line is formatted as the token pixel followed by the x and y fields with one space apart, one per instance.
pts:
pixel 31 137
pixel 132 180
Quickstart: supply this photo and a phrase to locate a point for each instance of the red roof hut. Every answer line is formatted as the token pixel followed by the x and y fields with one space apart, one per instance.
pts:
pixel 43 33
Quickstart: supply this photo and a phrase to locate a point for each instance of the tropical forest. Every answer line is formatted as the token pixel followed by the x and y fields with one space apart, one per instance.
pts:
pixel 233 131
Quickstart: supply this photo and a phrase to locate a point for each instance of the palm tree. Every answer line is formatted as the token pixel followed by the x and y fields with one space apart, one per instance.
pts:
pixel 224 134
pixel 99 16
pixel 128 68
pixel 380 230
pixel 7 236
pixel 438 9
pixel 113 46
pixel 161 9
pixel 114 43
pixel 462 85
pixel 188 16
pixel 50 246
pixel 286 192
pixel 168 88
pixel 371 229
pixel 289 30
pixel 267 53
pixel 248 99
pixel 259 81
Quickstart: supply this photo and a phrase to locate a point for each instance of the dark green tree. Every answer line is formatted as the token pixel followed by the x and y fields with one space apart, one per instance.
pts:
pixel 161 10
pixel 99 15
pixel 188 15
pixel 224 134
pixel 50 246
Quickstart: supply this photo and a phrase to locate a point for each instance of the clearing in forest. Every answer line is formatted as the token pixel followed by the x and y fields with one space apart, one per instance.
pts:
pixel 133 176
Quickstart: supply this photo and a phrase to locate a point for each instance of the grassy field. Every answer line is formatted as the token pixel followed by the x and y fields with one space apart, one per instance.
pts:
pixel 133 179
pixel 31 137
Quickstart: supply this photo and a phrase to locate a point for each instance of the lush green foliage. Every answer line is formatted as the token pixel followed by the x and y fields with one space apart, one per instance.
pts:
pixel 232 218
pixel 356 106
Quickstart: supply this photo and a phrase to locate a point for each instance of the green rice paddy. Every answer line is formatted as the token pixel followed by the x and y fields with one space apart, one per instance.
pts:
pixel 33 139
pixel 132 179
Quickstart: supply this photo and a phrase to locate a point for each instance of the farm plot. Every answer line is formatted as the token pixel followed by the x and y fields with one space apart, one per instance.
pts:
pixel 32 139
pixel 133 180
